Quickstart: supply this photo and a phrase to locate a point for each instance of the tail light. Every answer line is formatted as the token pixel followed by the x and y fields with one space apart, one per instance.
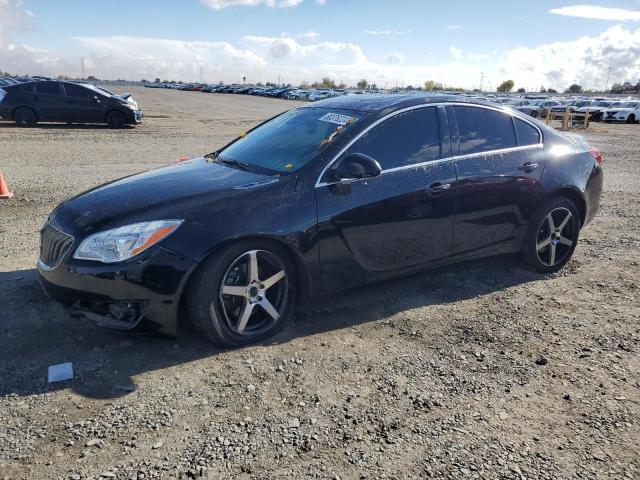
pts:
pixel 595 153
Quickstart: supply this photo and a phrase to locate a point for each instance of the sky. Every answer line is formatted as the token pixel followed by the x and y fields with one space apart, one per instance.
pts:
pixel 460 43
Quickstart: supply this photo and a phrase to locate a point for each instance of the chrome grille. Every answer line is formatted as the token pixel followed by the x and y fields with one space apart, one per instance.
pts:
pixel 54 244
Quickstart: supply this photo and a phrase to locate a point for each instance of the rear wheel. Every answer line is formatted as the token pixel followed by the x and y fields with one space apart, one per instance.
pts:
pixel 116 119
pixel 631 118
pixel 244 294
pixel 25 117
pixel 552 235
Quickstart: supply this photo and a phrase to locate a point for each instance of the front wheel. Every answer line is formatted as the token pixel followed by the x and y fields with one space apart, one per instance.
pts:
pixel 116 119
pixel 631 118
pixel 243 294
pixel 552 235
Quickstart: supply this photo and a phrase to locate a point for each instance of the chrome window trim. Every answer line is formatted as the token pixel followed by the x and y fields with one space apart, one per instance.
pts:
pixel 506 110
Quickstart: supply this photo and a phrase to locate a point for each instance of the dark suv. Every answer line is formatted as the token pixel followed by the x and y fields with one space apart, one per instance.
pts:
pixel 52 101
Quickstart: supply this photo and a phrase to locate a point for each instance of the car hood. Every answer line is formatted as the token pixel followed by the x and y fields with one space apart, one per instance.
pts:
pixel 176 191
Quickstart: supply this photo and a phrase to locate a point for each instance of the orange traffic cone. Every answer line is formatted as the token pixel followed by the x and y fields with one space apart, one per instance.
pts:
pixel 4 190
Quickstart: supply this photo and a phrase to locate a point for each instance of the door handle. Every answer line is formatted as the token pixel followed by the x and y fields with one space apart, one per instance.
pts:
pixel 437 188
pixel 529 166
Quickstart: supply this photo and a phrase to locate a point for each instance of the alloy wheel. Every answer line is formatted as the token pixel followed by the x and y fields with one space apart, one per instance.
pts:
pixel 556 237
pixel 254 292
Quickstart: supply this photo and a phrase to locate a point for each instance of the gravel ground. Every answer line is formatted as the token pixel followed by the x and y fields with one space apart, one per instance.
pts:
pixel 482 370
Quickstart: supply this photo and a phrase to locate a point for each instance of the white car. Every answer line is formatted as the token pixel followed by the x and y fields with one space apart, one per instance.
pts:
pixel 625 112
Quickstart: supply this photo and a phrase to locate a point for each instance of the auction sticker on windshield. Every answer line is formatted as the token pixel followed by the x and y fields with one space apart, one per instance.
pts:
pixel 337 119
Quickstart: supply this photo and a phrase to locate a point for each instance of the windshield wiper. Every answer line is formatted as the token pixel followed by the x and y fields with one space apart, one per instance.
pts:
pixel 215 157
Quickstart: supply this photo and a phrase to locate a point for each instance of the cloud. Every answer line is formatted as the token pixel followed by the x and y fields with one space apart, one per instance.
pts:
pixel 221 4
pixel 309 35
pixel 393 58
pixel 598 13
pixel 387 32
pixel 303 58
pixel 453 28
pixel 13 18
pixel 137 57
pixel 586 60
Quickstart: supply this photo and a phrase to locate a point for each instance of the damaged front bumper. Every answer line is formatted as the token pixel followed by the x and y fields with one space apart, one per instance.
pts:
pixel 142 294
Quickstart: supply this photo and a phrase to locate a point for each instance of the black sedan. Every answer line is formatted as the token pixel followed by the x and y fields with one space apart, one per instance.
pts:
pixel 321 198
pixel 52 101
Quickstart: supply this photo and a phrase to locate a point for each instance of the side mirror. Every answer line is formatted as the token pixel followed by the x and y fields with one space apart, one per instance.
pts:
pixel 355 166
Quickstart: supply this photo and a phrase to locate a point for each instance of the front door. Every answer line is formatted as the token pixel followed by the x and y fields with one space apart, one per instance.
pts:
pixel 397 221
pixel 84 104
pixel 499 164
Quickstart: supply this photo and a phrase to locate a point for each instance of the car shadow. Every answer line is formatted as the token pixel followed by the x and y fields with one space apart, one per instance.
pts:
pixel 36 332
pixel 65 126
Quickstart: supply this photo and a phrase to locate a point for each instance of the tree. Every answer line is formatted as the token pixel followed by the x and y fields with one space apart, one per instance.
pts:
pixel 432 86
pixel 575 88
pixel 157 80
pixel 362 84
pixel 506 86
pixel 552 90
pixel 522 90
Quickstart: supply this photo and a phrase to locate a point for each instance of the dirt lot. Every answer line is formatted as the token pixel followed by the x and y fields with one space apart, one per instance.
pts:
pixel 435 375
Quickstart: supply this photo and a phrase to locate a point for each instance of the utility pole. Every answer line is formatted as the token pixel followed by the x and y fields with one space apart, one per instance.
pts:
pixel 606 87
pixel 481 81
pixel 82 67
pixel 201 74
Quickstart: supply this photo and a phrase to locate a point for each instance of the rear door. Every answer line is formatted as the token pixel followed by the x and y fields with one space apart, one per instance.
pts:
pixel 499 163
pixel 50 102
pixel 84 104
pixel 399 220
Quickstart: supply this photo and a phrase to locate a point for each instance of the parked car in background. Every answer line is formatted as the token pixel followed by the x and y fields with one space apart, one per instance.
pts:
pixel 595 109
pixel 391 190
pixel 53 101
pixel 628 112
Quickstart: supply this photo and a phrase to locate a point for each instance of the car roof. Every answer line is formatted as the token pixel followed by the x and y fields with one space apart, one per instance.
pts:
pixel 377 103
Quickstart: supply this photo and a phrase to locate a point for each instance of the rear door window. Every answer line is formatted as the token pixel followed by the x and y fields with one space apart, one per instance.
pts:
pixel 527 133
pixel 27 87
pixel 405 139
pixel 48 88
pixel 483 130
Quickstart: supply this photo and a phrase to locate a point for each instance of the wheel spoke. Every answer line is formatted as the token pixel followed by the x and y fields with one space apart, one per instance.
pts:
pixel 552 255
pixel 564 222
pixel 234 290
pixel 244 317
pixel 272 280
pixel 253 266
pixel 552 226
pixel 266 304
pixel 544 243
pixel 565 241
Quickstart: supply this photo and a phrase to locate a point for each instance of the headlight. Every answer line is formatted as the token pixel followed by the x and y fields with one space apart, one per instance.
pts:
pixel 125 242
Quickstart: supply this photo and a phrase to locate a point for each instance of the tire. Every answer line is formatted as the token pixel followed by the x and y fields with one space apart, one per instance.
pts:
pixel 545 248
pixel 116 119
pixel 25 117
pixel 631 118
pixel 534 114
pixel 223 317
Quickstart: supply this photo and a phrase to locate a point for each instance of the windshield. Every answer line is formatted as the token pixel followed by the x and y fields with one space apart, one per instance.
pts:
pixel 628 105
pixel 288 142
